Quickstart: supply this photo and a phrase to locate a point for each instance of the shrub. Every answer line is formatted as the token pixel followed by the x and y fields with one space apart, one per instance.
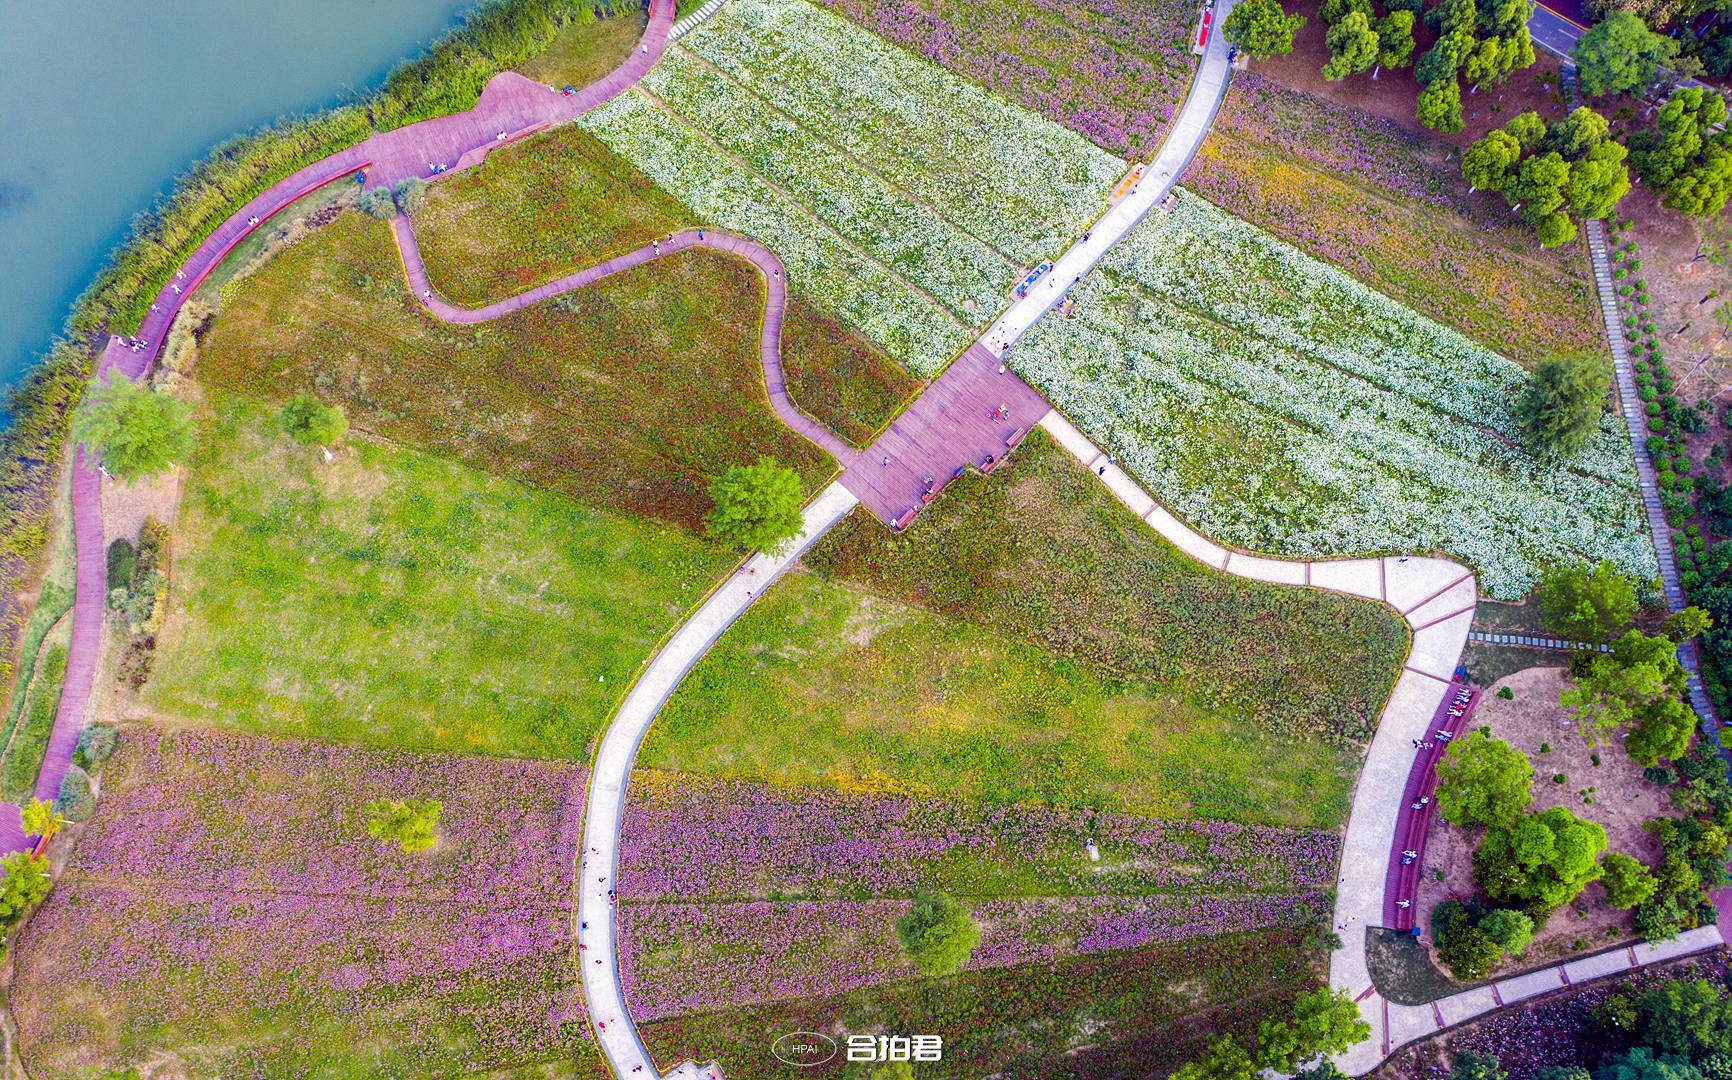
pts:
pixel 937 933
pixel 410 194
pixel 378 203
pixel 1558 778
pixel 310 423
pixel 411 824
pixel 96 744
pixel 121 556
pixel 757 507
pixel 1545 748
pixel 1506 693
pixel 75 802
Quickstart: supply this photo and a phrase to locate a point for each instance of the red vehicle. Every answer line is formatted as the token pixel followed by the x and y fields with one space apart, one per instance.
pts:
pixel 1207 17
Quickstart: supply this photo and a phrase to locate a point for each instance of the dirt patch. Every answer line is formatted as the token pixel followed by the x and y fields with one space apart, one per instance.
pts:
pixel 125 506
pixel 1535 723
pixel 1402 968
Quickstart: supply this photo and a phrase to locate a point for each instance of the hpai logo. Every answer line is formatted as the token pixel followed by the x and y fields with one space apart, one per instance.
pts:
pixel 804 1049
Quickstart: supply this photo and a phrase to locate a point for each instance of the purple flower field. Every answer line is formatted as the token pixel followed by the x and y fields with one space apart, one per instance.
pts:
pixel 823 842
pixel 812 880
pixel 1113 71
pixel 227 887
pixel 692 958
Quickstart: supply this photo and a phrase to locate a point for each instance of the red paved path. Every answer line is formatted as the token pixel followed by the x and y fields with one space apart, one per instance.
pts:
pixel 1412 825
pixel 511 106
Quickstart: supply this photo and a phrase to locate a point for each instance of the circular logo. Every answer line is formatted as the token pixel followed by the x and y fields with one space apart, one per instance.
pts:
pixel 805 1049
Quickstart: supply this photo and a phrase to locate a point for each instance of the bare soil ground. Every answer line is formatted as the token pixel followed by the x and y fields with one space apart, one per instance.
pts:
pixel 1621 800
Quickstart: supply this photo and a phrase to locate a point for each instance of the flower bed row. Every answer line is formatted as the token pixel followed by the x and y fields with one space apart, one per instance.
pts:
pixel 1283 406
pixel 820 841
pixel 692 958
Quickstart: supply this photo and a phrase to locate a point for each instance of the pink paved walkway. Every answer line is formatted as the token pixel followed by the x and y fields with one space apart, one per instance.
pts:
pixel 1411 825
pixel 510 108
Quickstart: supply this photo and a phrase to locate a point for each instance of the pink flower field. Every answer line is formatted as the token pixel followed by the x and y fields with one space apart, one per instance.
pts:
pixel 227 907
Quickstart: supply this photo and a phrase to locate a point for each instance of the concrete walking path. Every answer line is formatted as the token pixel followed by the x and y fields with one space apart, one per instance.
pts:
pixel 607 783
pixel 1180 144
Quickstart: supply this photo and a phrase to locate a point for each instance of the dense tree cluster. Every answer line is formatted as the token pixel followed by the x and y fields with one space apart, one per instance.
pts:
pixel 1683 156
pixel 1549 172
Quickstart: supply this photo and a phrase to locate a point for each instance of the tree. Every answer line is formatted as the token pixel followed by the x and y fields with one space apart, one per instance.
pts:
pixel 937 933
pixel 1662 730
pixel 1560 407
pixel 1472 1066
pixel 1542 860
pixel 1618 688
pixel 1333 11
pixel 1324 1021
pixel 757 507
pixel 1687 623
pixel 1560 1072
pixel 1619 56
pixel 1688 1020
pixel 1261 28
pixel 1528 129
pixel 25 883
pixel 1627 881
pixel 135 432
pixel 1576 134
pixel 1539 187
pixel 1482 781
pixel 309 423
pixel 1510 930
pixel 1598 181
pixel 1555 230
pixel 1395 39
pixel 1439 106
pixel 1489 163
pixel 1352 46
pixel 1641 1063
pixel 1226 1060
pixel 410 823
pixel 1683 157
pixel 40 819
pixel 377 202
pixel 1586 605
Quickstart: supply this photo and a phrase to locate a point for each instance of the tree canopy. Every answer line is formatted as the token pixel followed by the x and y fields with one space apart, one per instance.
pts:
pixel 1586 605
pixel 1482 781
pixel 26 881
pixel 135 432
pixel 1490 163
pixel 1559 410
pixel 1683 157
pixel 310 423
pixel 1323 1021
pixel 1352 46
pixel 1542 860
pixel 937 933
pixel 1626 686
pixel 1620 55
pixel 410 823
pixel 40 818
pixel 757 507
pixel 1627 881
pixel 1395 39
pixel 1262 28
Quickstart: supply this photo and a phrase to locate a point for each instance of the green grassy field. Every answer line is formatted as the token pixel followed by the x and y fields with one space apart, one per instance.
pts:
pixel 1028 639
pixel 634 397
pixel 564 201
pixel 392 598
pixel 581 53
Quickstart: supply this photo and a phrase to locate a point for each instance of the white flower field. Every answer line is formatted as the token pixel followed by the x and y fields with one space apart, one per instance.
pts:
pixel 898 195
pixel 1280 405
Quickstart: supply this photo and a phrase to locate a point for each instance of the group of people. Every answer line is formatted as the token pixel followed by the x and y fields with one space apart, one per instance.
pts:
pixel 136 344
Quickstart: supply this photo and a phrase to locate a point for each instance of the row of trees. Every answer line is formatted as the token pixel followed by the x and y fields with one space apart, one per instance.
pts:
pixel 1323 1021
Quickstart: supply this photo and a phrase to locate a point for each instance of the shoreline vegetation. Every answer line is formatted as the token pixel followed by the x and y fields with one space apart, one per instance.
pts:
pixel 447 77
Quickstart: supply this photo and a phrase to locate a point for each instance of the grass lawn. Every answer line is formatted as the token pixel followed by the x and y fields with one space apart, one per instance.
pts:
pixel 391 598
pixel 824 681
pixel 582 53
pixel 1027 639
pixel 633 396
pixel 226 911
pixel 564 201
pixel 1117 1016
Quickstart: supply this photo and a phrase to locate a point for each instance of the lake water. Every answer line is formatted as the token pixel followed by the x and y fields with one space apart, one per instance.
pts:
pixel 106 101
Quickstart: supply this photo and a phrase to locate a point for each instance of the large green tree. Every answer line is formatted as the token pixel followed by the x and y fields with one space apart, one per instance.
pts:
pixel 1662 730
pixel 1540 860
pixel 1620 688
pixel 1560 407
pixel 1225 1060
pixel 1683 156
pixel 25 882
pixel 135 432
pixel 937 933
pixel 1482 781
pixel 1627 881
pixel 1261 28
pixel 1689 1020
pixel 1489 164
pixel 1395 39
pixel 1322 1021
pixel 757 507
pixel 1586 605
pixel 1439 106
pixel 1619 56
pixel 1352 45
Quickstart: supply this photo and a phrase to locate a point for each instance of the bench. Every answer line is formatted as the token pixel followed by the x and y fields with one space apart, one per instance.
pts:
pixel 1016 437
pixel 898 524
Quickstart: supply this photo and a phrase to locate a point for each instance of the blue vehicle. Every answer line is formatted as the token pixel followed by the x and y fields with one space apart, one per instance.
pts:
pixel 1033 276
